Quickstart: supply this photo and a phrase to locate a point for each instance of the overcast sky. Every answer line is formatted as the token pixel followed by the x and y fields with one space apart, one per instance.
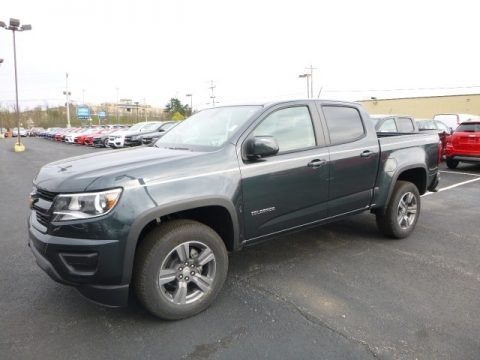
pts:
pixel 153 50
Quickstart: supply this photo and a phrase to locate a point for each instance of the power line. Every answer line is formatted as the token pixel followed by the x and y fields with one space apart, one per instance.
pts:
pixel 408 89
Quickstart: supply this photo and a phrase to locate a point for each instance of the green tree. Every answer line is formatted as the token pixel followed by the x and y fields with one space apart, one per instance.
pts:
pixel 175 106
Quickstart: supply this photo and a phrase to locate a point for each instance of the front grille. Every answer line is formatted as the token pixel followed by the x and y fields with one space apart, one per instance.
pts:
pixel 43 205
pixel 46 195
pixel 43 219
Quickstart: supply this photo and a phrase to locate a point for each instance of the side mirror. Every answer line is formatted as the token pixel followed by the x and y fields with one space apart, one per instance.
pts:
pixel 260 146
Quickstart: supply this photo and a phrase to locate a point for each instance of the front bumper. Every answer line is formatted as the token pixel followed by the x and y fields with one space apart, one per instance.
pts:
pixel 82 263
pixel 129 142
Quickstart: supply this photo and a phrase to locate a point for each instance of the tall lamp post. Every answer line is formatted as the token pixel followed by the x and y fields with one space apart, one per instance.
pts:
pixel 67 103
pixel 1 124
pixel 191 102
pixel 308 83
pixel 14 26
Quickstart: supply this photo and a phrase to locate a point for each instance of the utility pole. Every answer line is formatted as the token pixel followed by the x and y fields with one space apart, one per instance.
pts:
pixel 145 108
pixel 67 94
pixel 212 87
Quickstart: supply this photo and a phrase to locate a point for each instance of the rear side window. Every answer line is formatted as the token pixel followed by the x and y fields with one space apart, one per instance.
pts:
pixel 405 125
pixel 426 125
pixel 344 124
pixel 388 126
pixel 442 126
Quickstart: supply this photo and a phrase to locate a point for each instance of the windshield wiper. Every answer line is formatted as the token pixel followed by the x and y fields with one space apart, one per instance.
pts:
pixel 177 148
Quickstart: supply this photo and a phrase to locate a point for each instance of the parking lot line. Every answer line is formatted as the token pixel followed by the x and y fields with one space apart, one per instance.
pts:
pixel 459 173
pixel 453 186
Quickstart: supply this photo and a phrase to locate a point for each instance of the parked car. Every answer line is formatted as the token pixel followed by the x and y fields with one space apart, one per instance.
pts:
pixel 135 138
pixel 148 139
pixel 464 144
pixel 438 127
pixel 36 131
pixel 22 132
pixel 117 138
pixel 158 221
pixel 433 125
pixel 98 139
pixel 394 123
pixel 453 120
pixel 101 139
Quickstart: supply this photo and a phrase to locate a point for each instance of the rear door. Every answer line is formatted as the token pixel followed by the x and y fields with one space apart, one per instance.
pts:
pixel 289 189
pixel 354 156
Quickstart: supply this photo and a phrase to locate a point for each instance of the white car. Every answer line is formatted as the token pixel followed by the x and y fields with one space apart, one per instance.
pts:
pixel 23 132
pixel 117 138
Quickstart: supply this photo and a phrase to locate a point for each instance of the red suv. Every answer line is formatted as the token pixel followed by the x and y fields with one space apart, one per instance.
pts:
pixel 464 144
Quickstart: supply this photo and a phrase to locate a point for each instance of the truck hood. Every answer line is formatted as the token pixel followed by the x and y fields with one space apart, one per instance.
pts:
pixel 112 168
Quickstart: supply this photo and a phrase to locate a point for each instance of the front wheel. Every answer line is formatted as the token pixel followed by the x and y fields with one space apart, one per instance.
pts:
pixel 180 267
pixel 452 164
pixel 403 210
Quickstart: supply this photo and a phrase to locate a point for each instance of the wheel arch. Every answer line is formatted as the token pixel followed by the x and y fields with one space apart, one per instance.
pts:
pixel 416 174
pixel 217 213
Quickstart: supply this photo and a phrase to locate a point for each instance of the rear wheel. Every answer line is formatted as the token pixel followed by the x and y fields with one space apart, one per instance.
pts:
pixel 403 210
pixel 452 164
pixel 180 268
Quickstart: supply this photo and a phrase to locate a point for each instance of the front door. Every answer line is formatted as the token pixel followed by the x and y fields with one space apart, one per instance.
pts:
pixel 289 189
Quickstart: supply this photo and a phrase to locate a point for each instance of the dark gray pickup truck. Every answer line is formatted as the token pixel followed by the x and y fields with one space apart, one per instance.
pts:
pixel 160 220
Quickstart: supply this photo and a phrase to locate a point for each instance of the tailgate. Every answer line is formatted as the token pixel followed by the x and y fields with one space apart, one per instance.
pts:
pixel 467 142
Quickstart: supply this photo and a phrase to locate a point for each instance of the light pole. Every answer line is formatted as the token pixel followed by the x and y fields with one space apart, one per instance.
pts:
pixel 67 94
pixel 1 124
pixel 15 26
pixel 191 102
pixel 116 106
pixel 308 83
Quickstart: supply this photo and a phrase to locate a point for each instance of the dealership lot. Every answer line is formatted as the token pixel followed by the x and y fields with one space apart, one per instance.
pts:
pixel 340 291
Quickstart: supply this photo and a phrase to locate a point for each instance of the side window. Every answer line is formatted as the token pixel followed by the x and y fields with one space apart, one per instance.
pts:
pixel 388 126
pixel 442 126
pixel 405 125
pixel 344 124
pixel 291 127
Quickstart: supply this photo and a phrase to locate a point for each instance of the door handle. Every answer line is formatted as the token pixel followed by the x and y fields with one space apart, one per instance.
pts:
pixel 366 154
pixel 316 163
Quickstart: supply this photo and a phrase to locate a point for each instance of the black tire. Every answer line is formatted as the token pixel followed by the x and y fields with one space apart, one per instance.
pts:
pixel 184 290
pixel 105 143
pixel 402 212
pixel 452 164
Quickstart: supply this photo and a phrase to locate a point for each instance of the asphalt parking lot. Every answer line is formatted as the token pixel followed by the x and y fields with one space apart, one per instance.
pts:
pixel 340 291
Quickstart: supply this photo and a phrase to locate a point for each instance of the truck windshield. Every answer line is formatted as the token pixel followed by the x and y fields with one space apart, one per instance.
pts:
pixel 209 128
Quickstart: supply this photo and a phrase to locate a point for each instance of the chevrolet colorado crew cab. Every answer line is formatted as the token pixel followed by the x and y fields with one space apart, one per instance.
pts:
pixel 158 221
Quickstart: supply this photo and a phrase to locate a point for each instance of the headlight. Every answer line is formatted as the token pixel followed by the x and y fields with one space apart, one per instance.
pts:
pixel 84 205
pixel 136 137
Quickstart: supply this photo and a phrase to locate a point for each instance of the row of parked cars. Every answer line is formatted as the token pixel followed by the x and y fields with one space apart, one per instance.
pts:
pixel 459 133
pixel 114 136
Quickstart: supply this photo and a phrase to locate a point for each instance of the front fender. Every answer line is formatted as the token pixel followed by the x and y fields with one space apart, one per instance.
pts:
pixel 166 209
